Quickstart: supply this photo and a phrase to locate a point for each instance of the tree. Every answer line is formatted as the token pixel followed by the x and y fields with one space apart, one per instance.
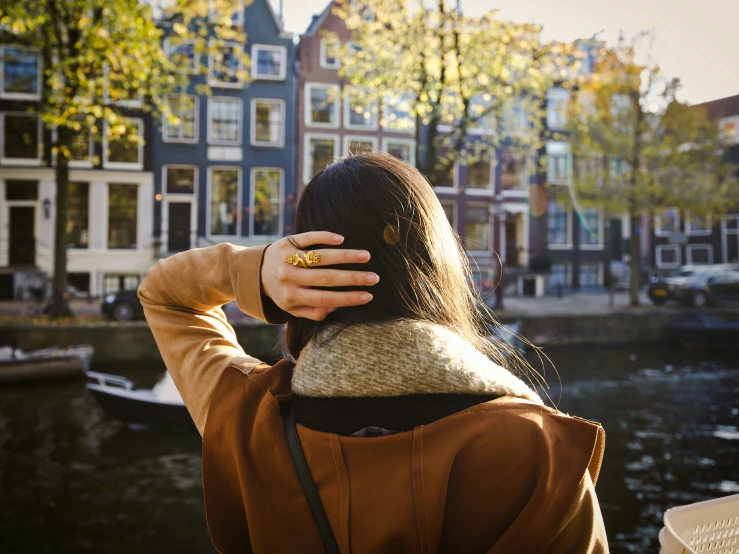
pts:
pixel 100 54
pixel 637 150
pixel 464 83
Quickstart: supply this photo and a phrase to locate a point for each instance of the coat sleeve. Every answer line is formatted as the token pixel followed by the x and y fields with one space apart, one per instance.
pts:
pixel 182 297
pixel 583 530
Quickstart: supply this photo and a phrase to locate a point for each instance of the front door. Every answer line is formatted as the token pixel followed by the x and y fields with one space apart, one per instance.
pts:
pixel 511 246
pixel 22 250
pixel 178 239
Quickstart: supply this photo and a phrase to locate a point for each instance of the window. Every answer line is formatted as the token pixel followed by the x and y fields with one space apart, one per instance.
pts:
pixel 698 226
pixel 122 215
pixel 557 100
pixel 558 225
pixel 560 277
pixel 480 110
pixel 447 181
pixel 21 73
pixel 78 217
pixel 330 53
pixel 354 145
pixel 268 62
pixel 515 117
pixel 81 147
pixel 699 254
pixel 477 228
pixel 397 112
pixel 480 176
pixel 21 190
pixel 184 127
pixel 179 179
pixel 226 65
pixel 124 149
pixel 183 54
pixel 558 170
pixel 667 255
pixel 591 227
pixel 224 120
pixel 266 201
pixel 360 109
pixel 233 15
pixel 321 105
pixel 320 151
pixel 121 89
pixel 403 149
pixel 224 200
pixel 450 210
pixel 267 122
pixel 589 274
pixel 21 138
pixel 667 222
pixel 512 170
pixel 115 283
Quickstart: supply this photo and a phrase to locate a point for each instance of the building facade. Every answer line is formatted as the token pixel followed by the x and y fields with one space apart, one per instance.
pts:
pixel 111 190
pixel 226 173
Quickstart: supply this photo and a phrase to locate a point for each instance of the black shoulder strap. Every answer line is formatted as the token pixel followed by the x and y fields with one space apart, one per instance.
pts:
pixel 306 481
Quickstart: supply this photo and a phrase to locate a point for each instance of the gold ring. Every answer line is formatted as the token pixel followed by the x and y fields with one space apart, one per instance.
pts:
pixel 295 259
pixel 311 257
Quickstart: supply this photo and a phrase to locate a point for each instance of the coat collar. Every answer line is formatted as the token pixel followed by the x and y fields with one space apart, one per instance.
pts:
pixel 398 358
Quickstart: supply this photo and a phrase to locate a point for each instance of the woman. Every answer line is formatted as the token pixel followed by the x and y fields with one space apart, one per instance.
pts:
pixel 415 436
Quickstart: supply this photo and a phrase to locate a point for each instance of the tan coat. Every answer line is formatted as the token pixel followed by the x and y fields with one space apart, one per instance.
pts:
pixel 502 477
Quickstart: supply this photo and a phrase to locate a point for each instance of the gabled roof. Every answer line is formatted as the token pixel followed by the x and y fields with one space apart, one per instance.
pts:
pixel 318 20
pixel 278 21
pixel 722 107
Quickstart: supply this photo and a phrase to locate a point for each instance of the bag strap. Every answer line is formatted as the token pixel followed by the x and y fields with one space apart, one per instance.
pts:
pixel 306 481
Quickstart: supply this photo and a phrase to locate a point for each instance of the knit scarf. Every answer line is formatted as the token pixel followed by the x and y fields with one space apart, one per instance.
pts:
pixel 398 358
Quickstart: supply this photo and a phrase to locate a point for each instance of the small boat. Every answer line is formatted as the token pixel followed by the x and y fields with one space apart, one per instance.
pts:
pixel 17 366
pixel 700 329
pixel 120 399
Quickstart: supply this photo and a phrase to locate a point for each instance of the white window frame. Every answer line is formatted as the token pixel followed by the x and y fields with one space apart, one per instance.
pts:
pixel 568 220
pixel 374 109
pixel 559 148
pixel 490 191
pixel 180 195
pixel 239 20
pixel 601 234
pixel 306 151
pixel 255 66
pixel 208 195
pixel 658 256
pixel 390 128
pixel 405 141
pixel 336 108
pixel 726 232
pixel 89 162
pixel 689 253
pixel 253 122
pixel 323 63
pixel 137 103
pixel 455 213
pixel 455 185
pixel 235 99
pixel 658 222
pixel 568 274
pixel 196 123
pixel 124 165
pixel 21 161
pixel 689 231
pixel 39 75
pixel 599 266
pixel 550 118
pixel 281 223
pixel 524 180
pixel 225 84
pixel 169 43
pixel 473 252
pixel 362 138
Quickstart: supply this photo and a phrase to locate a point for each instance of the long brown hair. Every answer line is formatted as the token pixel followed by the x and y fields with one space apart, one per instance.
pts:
pixel 386 206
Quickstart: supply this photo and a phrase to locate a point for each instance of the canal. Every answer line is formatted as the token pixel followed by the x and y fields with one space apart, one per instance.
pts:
pixel 73 481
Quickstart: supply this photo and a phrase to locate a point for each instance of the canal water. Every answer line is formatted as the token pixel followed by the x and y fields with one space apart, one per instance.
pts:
pixel 74 481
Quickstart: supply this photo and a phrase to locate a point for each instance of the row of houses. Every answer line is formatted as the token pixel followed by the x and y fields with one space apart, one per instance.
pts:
pixel 233 170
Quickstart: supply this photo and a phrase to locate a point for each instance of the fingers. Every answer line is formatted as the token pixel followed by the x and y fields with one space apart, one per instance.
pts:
pixel 314 298
pixel 329 277
pixel 308 239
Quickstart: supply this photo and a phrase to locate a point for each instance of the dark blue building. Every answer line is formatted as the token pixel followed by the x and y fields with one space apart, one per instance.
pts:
pixel 225 172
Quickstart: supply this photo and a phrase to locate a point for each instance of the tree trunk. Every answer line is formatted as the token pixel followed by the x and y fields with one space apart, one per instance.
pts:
pixel 59 306
pixel 634 263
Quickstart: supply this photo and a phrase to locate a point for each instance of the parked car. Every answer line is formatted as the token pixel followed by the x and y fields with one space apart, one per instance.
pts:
pixel 698 285
pixel 122 306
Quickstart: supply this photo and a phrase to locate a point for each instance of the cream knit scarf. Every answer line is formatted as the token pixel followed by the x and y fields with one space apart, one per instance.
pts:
pixel 401 357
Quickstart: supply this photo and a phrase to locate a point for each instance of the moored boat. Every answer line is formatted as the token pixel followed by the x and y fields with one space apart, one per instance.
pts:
pixel 120 399
pixel 17 366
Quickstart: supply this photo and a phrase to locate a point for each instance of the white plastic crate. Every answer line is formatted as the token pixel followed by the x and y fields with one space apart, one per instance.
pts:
pixel 710 527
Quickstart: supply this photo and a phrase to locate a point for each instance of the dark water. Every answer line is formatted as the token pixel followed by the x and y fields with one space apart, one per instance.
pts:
pixel 73 481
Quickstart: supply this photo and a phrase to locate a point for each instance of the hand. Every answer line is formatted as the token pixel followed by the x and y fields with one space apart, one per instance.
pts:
pixel 289 286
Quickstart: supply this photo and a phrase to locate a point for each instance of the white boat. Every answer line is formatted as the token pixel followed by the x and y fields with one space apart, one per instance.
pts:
pixel 17 366
pixel 120 399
